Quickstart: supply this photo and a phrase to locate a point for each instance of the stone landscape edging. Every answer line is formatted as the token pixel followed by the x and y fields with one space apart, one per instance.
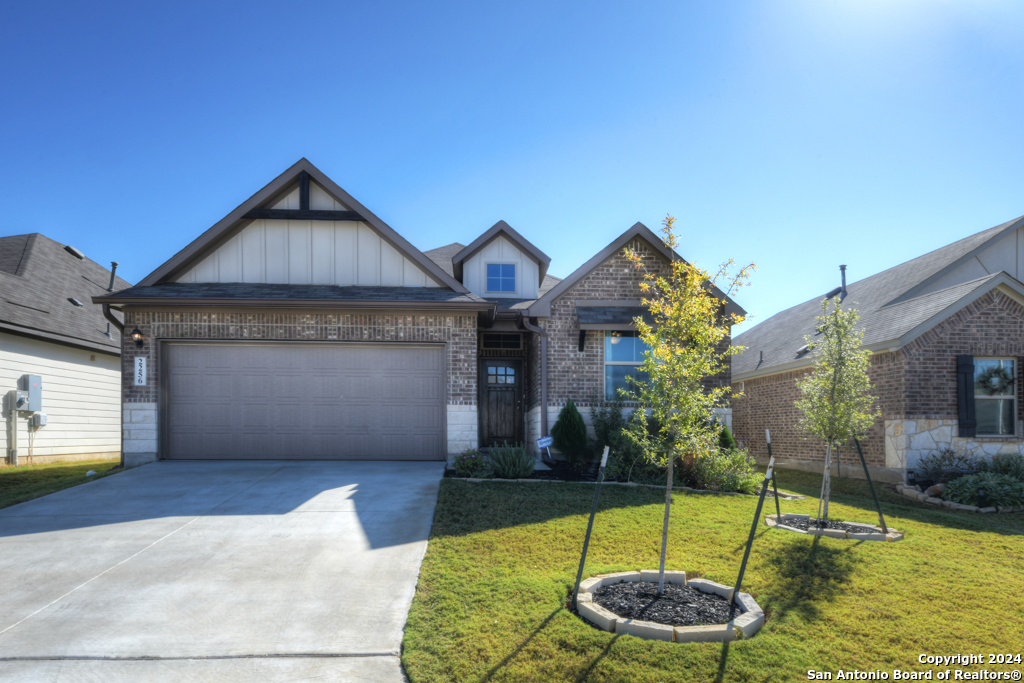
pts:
pixel 748 623
pixel 871 532
pixel 915 493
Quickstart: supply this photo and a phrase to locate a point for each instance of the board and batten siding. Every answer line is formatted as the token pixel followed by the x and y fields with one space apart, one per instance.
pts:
pixel 81 399
pixel 501 250
pixel 309 252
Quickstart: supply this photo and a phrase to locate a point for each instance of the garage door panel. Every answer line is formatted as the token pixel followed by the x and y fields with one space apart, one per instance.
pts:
pixel 305 401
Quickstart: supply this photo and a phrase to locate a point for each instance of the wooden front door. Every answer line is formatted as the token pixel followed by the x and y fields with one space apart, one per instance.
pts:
pixel 501 385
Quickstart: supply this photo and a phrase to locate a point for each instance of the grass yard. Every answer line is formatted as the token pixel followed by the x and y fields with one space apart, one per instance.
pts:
pixel 502 558
pixel 18 484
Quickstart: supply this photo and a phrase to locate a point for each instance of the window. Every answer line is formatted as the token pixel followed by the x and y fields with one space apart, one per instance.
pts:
pixel 995 381
pixel 623 353
pixel 501 375
pixel 501 277
pixel 494 340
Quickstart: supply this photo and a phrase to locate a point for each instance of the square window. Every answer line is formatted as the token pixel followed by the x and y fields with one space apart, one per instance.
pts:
pixel 501 277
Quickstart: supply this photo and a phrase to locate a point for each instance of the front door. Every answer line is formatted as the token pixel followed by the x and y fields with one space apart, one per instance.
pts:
pixel 502 388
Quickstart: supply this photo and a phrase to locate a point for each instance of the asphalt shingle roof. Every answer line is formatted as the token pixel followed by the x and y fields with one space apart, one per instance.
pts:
pixel 37 279
pixel 281 292
pixel 883 315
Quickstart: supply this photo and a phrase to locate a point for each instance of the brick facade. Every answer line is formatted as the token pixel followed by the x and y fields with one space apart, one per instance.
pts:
pixel 915 386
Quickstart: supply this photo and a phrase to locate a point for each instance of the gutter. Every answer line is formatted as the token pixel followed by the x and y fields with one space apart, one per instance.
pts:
pixel 525 323
pixel 297 303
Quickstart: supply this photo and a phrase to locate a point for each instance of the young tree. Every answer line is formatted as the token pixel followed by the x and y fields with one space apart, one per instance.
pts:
pixel 836 403
pixel 688 343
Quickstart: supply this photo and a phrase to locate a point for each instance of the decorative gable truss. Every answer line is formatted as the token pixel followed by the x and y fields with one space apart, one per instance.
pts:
pixel 308 237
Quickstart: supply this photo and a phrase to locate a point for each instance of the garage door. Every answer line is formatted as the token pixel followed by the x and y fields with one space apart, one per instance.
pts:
pixel 304 401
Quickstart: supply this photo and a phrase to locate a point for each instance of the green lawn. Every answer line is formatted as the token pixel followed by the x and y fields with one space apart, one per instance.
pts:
pixel 18 484
pixel 502 558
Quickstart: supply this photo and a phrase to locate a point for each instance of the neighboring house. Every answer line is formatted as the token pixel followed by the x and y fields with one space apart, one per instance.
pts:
pixel 941 328
pixel 50 327
pixel 301 326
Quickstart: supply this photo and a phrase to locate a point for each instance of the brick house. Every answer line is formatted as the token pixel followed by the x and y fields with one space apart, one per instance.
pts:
pixel 946 332
pixel 302 326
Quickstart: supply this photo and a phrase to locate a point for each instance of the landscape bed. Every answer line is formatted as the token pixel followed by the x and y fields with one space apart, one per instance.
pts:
pixel 491 599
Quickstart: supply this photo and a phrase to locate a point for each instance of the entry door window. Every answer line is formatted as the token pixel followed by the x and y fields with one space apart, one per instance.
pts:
pixel 501 375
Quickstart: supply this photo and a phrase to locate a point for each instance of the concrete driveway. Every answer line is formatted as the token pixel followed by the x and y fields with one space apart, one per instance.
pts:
pixel 214 571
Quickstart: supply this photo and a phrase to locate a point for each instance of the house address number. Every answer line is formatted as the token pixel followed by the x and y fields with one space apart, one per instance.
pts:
pixel 140 371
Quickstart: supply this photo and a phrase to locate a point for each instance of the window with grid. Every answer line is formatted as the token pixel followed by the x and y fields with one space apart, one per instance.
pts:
pixel 501 375
pixel 995 388
pixel 623 355
pixel 501 277
pixel 495 341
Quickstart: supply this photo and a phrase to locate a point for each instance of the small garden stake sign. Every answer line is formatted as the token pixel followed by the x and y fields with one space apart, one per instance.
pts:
pixel 590 527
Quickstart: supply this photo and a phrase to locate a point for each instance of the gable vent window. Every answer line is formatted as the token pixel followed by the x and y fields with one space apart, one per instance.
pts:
pixel 501 277
pixel 995 387
pixel 494 341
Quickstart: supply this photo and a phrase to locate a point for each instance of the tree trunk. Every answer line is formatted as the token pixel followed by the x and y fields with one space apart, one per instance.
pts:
pixel 826 487
pixel 664 528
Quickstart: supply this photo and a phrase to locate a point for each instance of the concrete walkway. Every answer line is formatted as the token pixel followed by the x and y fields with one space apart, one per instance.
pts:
pixel 212 571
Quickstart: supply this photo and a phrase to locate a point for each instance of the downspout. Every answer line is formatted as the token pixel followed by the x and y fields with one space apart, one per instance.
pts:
pixel 112 318
pixel 524 322
pixel 120 328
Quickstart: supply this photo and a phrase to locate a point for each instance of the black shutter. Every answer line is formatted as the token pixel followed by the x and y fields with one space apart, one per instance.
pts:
pixel 965 395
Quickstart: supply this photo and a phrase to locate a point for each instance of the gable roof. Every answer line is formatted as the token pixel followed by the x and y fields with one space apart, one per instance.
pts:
pixel 542 306
pixel 278 187
pixel 498 229
pixel 891 312
pixel 37 279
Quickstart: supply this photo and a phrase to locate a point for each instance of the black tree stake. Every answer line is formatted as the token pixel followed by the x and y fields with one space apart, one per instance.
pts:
pixel 590 526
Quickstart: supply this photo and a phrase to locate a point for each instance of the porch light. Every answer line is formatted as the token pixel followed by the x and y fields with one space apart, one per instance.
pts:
pixel 137 336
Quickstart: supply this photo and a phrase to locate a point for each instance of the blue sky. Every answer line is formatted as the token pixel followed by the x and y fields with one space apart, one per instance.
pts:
pixel 798 134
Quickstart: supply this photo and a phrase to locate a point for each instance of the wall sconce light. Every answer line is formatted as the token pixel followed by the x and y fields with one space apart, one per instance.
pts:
pixel 137 336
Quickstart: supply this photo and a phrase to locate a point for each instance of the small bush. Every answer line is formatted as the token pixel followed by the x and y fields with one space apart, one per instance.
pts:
pixel 725 439
pixel 570 433
pixel 1000 490
pixel 947 464
pixel 1009 464
pixel 511 462
pixel 731 470
pixel 471 463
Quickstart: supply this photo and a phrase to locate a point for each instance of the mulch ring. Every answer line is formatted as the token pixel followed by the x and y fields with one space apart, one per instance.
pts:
pixel 805 524
pixel 677 606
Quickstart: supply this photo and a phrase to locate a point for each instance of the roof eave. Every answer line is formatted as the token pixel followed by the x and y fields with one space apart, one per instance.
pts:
pixel 295 303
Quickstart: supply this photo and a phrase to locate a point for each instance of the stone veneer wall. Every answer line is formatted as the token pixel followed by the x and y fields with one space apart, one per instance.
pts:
pixel 457 331
pixel 916 386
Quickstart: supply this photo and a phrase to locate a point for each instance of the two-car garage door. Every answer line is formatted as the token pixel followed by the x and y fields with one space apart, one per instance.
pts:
pixel 304 401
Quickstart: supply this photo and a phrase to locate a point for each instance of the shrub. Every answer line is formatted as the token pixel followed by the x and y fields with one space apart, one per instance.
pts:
pixel 1009 464
pixel 570 433
pixel 1000 490
pixel 947 464
pixel 471 463
pixel 727 470
pixel 511 462
pixel 725 439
